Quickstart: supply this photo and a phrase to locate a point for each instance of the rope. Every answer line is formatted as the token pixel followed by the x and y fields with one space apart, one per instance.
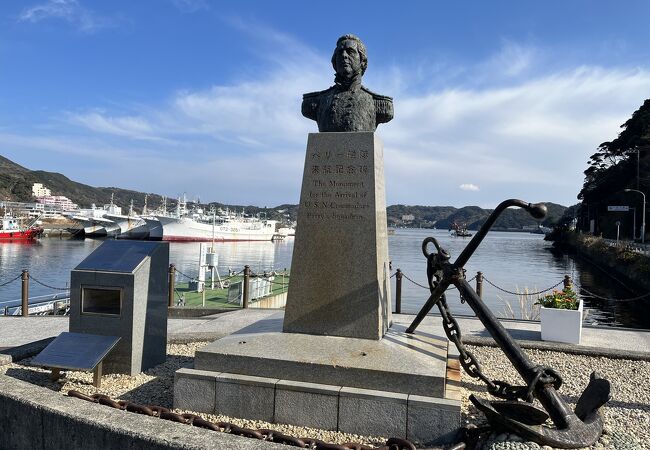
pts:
pixel 591 294
pixel 47 285
pixel 521 293
pixel 11 281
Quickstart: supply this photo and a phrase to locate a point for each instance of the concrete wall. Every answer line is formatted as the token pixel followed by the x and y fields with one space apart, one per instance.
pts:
pixel 32 417
pixel 277 301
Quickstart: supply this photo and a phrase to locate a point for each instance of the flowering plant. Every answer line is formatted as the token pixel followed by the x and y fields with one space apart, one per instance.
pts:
pixel 564 299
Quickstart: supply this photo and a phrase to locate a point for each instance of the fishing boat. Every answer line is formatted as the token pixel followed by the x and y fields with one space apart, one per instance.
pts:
pixel 131 226
pixel 11 230
pixel 459 230
pixel 225 227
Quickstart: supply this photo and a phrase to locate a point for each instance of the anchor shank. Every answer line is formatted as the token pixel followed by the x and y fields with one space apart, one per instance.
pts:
pixel 554 404
pixel 503 339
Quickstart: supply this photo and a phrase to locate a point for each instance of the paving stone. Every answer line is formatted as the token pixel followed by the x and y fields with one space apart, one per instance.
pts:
pixel 375 413
pixel 432 421
pixel 195 390
pixel 245 397
pixel 307 404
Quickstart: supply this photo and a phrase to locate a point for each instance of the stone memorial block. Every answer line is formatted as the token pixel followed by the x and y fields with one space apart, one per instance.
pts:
pixel 339 273
pixel 121 290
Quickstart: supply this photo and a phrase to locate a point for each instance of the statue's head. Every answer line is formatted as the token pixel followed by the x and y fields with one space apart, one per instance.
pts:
pixel 350 58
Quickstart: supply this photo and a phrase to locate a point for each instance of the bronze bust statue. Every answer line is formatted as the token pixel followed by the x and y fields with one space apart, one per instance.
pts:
pixel 348 106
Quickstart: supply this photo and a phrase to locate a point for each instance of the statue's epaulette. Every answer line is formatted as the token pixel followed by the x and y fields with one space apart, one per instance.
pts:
pixel 377 96
pixel 383 106
pixel 310 104
pixel 310 95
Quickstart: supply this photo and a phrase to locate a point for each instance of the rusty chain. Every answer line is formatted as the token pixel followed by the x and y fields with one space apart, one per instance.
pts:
pixel 227 427
pixel 501 389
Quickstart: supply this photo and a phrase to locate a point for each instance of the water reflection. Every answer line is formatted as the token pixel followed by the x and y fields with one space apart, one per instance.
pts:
pixel 510 261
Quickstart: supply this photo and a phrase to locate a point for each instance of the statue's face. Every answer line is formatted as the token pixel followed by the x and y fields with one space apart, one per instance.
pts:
pixel 348 59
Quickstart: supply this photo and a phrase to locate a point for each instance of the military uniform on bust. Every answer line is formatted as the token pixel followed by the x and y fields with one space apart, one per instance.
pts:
pixel 348 106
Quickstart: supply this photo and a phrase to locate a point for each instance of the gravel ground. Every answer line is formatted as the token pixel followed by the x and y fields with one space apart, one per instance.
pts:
pixel 627 417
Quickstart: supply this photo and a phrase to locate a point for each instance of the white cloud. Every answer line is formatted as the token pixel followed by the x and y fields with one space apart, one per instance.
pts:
pixel 511 60
pixel 70 11
pixel 468 187
pixel 528 138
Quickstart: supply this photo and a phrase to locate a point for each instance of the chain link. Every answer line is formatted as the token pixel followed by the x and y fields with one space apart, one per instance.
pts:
pixel 521 293
pixel 186 276
pixel 11 281
pixel 591 294
pixel 472 366
pixel 32 277
pixel 425 287
pixel 227 427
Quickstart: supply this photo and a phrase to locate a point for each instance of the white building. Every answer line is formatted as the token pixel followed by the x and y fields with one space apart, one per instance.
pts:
pixel 38 190
pixel 59 202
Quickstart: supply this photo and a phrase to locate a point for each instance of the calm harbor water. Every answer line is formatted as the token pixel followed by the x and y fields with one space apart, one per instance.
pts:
pixel 511 261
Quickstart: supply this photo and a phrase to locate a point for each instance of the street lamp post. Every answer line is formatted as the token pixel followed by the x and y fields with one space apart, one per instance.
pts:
pixel 642 214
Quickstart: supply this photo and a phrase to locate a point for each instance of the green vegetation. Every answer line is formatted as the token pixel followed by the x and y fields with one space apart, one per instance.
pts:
pixel 621 164
pixel 217 298
pixel 442 217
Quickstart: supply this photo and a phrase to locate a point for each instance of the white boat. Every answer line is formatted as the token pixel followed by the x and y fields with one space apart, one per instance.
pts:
pixel 229 227
pixel 131 226
pixel 98 226
pixel 154 228
pixel 93 221
pixel 286 231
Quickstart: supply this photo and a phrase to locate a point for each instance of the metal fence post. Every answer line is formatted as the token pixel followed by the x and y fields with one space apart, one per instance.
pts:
pixel 567 282
pixel 479 284
pixel 172 283
pixel 398 291
pixel 247 274
pixel 25 293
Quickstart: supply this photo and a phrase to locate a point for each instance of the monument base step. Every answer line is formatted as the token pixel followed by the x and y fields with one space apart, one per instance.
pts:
pixel 402 385
pixel 421 419
pixel 400 363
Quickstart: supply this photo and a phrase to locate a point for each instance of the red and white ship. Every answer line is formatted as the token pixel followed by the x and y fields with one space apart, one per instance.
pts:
pixel 10 230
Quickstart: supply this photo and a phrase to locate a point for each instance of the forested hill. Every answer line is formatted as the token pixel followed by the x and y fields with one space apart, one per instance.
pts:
pixel 443 217
pixel 16 185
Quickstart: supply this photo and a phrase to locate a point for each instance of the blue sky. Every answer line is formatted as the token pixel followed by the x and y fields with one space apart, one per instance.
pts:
pixel 492 99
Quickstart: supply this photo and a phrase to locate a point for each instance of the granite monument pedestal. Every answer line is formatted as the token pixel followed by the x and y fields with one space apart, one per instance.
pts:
pixel 340 270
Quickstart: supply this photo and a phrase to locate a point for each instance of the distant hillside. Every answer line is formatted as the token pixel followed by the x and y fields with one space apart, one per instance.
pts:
pixel 16 185
pixel 442 217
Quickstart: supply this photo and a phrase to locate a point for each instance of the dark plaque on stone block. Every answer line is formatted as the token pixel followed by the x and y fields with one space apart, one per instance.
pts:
pixel 75 351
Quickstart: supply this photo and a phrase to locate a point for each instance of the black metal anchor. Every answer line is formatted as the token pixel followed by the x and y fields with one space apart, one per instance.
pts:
pixel 573 429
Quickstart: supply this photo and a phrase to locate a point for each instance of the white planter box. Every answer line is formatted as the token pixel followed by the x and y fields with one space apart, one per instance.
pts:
pixel 562 325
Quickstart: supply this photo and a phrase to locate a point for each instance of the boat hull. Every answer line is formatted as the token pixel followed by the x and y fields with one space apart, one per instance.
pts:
pixel 188 230
pixel 130 227
pixel 154 229
pixel 21 235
